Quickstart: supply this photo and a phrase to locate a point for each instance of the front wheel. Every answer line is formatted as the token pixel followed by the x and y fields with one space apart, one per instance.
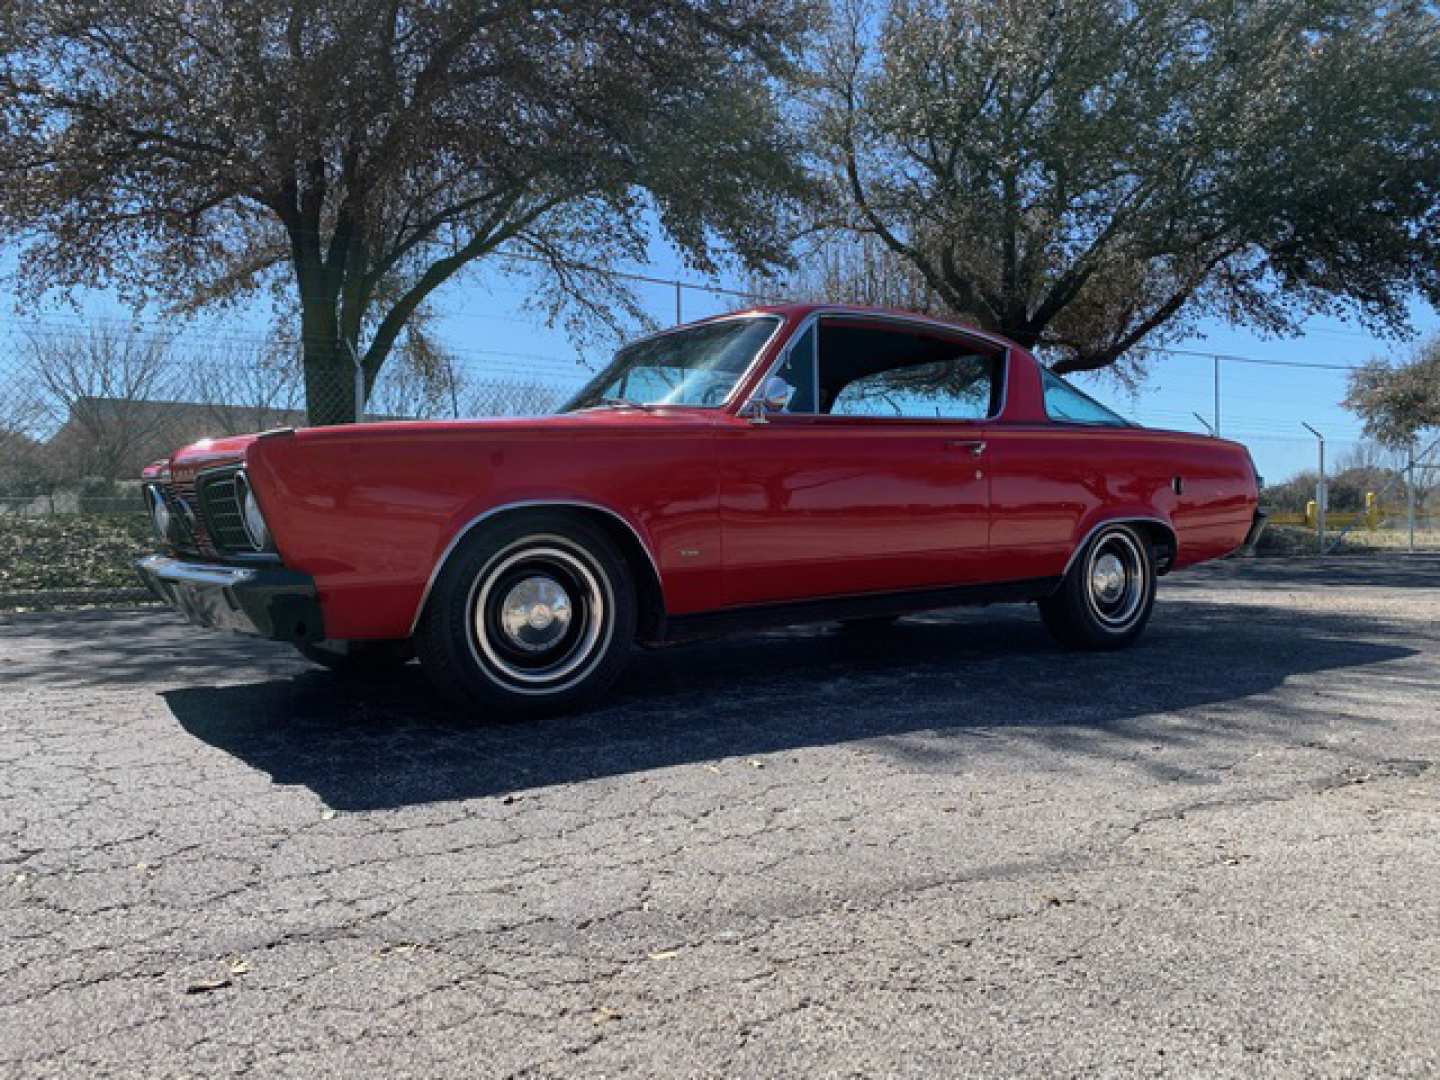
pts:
pixel 1107 595
pixel 532 614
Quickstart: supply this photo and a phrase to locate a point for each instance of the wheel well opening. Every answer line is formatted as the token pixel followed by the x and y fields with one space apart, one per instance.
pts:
pixel 1162 542
pixel 648 592
pixel 649 595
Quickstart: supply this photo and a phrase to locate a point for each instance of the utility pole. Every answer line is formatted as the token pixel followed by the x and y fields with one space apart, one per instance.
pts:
pixel 1320 490
pixel 678 291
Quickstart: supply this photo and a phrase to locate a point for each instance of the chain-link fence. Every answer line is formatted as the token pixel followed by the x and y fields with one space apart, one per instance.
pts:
pixel 82 412
pixel 85 403
pixel 1373 501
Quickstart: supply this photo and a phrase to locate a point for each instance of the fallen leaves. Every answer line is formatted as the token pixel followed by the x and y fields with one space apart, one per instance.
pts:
pixel 72 551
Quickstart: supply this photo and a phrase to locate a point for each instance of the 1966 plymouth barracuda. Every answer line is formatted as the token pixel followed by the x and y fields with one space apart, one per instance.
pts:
pixel 775 466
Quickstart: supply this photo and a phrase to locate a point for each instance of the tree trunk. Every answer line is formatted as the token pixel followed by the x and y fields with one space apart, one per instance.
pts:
pixel 329 385
pixel 329 370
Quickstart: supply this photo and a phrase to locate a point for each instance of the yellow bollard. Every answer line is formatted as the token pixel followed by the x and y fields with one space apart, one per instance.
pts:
pixel 1310 514
pixel 1372 511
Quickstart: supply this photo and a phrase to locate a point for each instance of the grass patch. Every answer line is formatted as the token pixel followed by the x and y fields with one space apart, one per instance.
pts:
pixel 1299 540
pixel 72 551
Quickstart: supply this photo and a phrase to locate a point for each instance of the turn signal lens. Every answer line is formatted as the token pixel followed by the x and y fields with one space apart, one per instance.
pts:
pixel 160 517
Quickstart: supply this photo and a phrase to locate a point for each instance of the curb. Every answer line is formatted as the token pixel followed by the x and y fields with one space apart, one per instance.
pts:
pixel 52 598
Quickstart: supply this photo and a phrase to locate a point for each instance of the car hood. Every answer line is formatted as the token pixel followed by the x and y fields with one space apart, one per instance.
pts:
pixel 210 453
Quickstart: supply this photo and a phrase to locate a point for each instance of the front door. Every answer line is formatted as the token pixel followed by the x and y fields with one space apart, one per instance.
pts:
pixel 874 479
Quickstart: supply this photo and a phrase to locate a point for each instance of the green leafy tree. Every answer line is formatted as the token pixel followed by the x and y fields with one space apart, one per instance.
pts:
pixel 1087 176
pixel 1398 401
pixel 354 156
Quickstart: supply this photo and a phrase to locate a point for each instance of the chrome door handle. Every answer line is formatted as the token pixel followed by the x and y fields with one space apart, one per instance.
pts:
pixel 975 446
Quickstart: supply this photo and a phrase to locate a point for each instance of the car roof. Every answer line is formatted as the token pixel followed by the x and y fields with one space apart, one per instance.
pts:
pixel 799 311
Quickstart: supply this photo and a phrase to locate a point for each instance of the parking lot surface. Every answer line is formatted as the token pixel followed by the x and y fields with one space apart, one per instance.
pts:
pixel 945 849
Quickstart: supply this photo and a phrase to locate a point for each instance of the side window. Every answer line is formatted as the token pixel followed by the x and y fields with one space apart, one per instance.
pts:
pixel 798 369
pixel 888 372
pixel 1063 402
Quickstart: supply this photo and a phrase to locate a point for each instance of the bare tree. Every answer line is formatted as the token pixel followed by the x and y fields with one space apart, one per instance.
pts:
pixel 839 267
pixel 241 389
pixel 1087 176
pixel 358 154
pixel 507 398
pixel 100 389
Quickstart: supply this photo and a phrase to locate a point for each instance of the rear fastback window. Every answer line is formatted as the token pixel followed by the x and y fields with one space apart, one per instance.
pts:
pixel 1069 406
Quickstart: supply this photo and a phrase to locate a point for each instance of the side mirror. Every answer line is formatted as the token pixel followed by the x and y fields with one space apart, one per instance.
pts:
pixel 774 394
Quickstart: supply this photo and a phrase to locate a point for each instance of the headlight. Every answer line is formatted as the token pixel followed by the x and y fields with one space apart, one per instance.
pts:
pixel 250 515
pixel 160 517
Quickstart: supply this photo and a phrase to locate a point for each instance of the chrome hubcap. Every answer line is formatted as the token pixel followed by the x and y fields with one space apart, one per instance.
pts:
pixel 535 613
pixel 1107 578
pixel 542 615
pixel 1116 574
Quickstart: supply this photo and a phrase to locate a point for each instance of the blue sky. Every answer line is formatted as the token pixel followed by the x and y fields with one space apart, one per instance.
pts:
pixel 483 318
pixel 1261 406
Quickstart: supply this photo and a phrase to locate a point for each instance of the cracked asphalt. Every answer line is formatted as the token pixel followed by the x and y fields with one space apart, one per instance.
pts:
pixel 948 849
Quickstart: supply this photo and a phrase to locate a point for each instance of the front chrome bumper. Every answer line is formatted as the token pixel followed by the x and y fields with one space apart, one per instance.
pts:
pixel 269 601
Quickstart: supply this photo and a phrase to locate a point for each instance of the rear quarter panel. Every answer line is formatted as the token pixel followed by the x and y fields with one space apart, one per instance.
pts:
pixel 369 513
pixel 1051 484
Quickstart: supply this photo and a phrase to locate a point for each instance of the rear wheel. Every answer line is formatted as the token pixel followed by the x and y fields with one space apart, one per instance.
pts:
pixel 1108 593
pixel 532 614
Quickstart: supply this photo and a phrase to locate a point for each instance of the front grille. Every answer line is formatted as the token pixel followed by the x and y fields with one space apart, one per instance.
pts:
pixel 181 497
pixel 220 509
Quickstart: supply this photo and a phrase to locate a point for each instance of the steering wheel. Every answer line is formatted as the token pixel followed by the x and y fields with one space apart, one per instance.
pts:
pixel 715 394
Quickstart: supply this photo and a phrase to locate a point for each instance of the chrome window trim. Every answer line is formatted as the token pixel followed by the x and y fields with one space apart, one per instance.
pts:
pixel 919 321
pixel 780 322
pixel 465 529
pixel 1121 520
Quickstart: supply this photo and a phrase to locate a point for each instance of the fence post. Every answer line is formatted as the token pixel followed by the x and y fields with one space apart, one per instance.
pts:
pixel 1216 432
pixel 1410 493
pixel 359 382
pixel 1320 493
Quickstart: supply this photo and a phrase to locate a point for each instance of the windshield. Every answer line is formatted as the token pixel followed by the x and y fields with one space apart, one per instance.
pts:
pixel 699 366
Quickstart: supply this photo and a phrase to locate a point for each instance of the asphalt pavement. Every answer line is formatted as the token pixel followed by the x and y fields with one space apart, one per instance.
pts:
pixel 946 849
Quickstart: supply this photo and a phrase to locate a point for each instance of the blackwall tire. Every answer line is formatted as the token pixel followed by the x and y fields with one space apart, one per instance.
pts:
pixel 1108 593
pixel 532 614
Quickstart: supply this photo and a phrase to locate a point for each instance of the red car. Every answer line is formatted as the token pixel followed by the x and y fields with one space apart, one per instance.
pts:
pixel 775 466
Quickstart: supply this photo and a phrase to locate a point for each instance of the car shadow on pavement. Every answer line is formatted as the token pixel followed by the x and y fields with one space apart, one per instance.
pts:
pixel 934 689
